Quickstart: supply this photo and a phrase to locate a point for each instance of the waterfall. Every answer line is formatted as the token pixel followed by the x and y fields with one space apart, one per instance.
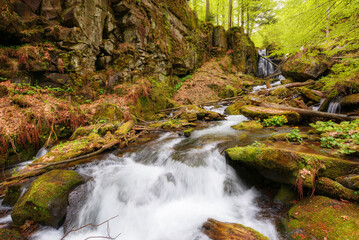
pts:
pixel 265 68
pixel 334 106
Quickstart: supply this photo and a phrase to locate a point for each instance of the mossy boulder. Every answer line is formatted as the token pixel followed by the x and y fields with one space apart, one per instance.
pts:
pixel 255 112
pixel 45 201
pixel 280 91
pixel 303 66
pixel 350 181
pixel 108 112
pixel 331 188
pixel 310 94
pixel 10 234
pixel 173 124
pixel 235 108
pixel 286 166
pixel 223 231
pixel 350 102
pixel 323 218
pixel 192 113
pixel 101 129
pixel 12 194
pixel 251 125
pixel 125 128
pixel 3 91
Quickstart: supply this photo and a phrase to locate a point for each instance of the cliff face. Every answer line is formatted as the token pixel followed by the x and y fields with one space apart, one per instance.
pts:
pixel 147 37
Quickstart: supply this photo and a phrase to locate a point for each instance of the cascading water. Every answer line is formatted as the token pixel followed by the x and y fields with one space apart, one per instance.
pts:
pixel 334 106
pixel 167 190
pixel 265 68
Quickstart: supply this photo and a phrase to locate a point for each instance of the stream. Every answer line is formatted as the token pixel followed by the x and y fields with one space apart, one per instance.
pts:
pixel 167 189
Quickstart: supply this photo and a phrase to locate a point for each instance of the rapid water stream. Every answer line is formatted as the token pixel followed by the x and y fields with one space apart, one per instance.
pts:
pixel 166 190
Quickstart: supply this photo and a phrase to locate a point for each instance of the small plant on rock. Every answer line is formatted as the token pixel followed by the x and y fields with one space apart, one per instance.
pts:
pixel 294 136
pixel 275 121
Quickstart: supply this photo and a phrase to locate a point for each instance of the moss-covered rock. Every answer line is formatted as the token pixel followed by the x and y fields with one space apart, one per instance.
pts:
pixel 251 125
pixel 192 113
pixel 235 108
pixel 223 231
pixel 255 112
pixel 312 95
pixel 286 166
pixel 284 137
pixel 188 132
pixel 331 188
pixel 350 181
pixel 45 201
pixel 125 128
pixel 323 218
pixel 286 194
pixel 108 112
pixel 10 234
pixel 280 91
pixel 12 194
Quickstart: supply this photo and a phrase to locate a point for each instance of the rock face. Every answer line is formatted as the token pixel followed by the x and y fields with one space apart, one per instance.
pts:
pixel 323 218
pixel 223 231
pixel 301 67
pixel 157 37
pixel 46 200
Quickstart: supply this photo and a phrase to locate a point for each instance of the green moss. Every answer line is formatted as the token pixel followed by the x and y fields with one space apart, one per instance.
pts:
pixel 235 108
pixel 125 128
pixel 264 113
pixel 12 194
pixel 188 132
pixel 46 199
pixel 10 234
pixel 286 194
pixel 331 188
pixel 108 112
pixel 320 218
pixel 280 92
pixel 251 125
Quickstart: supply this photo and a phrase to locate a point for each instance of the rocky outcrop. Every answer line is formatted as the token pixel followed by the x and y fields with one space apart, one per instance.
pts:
pixel 303 66
pixel 323 218
pixel 46 199
pixel 222 231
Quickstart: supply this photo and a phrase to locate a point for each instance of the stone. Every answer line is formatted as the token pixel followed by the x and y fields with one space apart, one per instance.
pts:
pixel 46 199
pixel 328 187
pixel 108 112
pixel 302 66
pixel 287 166
pixel 323 218
pixel 251 125
pixel 192 113
pixel 224 231
pixel 255 112
pixel 310 94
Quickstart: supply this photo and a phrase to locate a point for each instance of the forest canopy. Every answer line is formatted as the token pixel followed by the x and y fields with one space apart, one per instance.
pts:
pixel 288 25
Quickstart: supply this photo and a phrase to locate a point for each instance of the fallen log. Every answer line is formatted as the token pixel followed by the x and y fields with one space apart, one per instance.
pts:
pixel 291 85
pixel 267 59
pixel 311 113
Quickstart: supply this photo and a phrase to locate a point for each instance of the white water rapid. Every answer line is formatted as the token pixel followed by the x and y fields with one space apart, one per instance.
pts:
pixel 166 190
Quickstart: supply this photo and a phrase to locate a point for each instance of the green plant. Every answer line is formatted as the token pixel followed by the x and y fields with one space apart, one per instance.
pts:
pixel 275 121
pixel 294 136
pixel 258 144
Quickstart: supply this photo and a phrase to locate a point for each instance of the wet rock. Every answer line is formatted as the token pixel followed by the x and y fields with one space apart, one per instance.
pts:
pixel 223 231
pixel 286 194
pixel 188 132
pixel 46 199
pixel 323 218
pixel 280 91
pixel 192 113
pixel 310 94
pixel 251 125
pixel 350 102
pixel 235 108
pixel 10 234
pixel 255 112
pixel 301 67
pixel 350 181
pixel 286 166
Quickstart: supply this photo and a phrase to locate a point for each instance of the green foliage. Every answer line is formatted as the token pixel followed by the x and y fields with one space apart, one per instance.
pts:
pixel 181 81
pixel 294 136
pixel 343 136
pixel 275 121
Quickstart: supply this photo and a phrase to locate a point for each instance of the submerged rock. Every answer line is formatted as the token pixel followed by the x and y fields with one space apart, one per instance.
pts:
pixel 46 199
pixel 255 112
pixel 323 218
pixel 224 231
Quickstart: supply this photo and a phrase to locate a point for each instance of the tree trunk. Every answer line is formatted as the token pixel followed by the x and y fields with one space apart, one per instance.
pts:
pixel 311 113
pixel 248 19
pixel 207 11
pixel 242 14
pixel 292 85
pixel 230 13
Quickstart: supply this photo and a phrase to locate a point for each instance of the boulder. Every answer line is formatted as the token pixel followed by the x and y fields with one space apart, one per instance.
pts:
pixel 255 112
pixel 191 113
pixel 108 112
pixel 333 189
pixel 310 94
pixel 235 108
pixel 224 231
pixel 323 218
pixel 10 234
pixel 287 166
pixel 251 125
pixel 350 102
pixel 46 199
pixel 302 66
